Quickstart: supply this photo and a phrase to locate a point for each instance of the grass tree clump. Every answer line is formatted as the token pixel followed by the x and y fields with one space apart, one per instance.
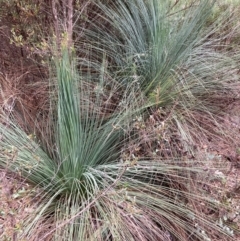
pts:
pixel 148 40
pixel 89 186
pixel 168 48
pixel 90 182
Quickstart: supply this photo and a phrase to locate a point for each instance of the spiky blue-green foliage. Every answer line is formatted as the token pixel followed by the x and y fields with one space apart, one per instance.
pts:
pixel 92 187
pixel 91 184
pixel 83 139
pixel 166 48
pixel 147 39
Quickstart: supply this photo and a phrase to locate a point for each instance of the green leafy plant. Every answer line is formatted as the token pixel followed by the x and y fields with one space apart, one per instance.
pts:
pixel 88 189
pixel 166 48
pixel 89 182
pixel 147 39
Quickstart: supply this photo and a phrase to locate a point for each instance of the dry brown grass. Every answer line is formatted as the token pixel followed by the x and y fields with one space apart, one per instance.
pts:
pixel 24 100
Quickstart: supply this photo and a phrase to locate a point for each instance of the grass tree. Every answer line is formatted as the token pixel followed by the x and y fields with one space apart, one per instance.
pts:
pixel 89 183
pixel 166 48
pixel 148 40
